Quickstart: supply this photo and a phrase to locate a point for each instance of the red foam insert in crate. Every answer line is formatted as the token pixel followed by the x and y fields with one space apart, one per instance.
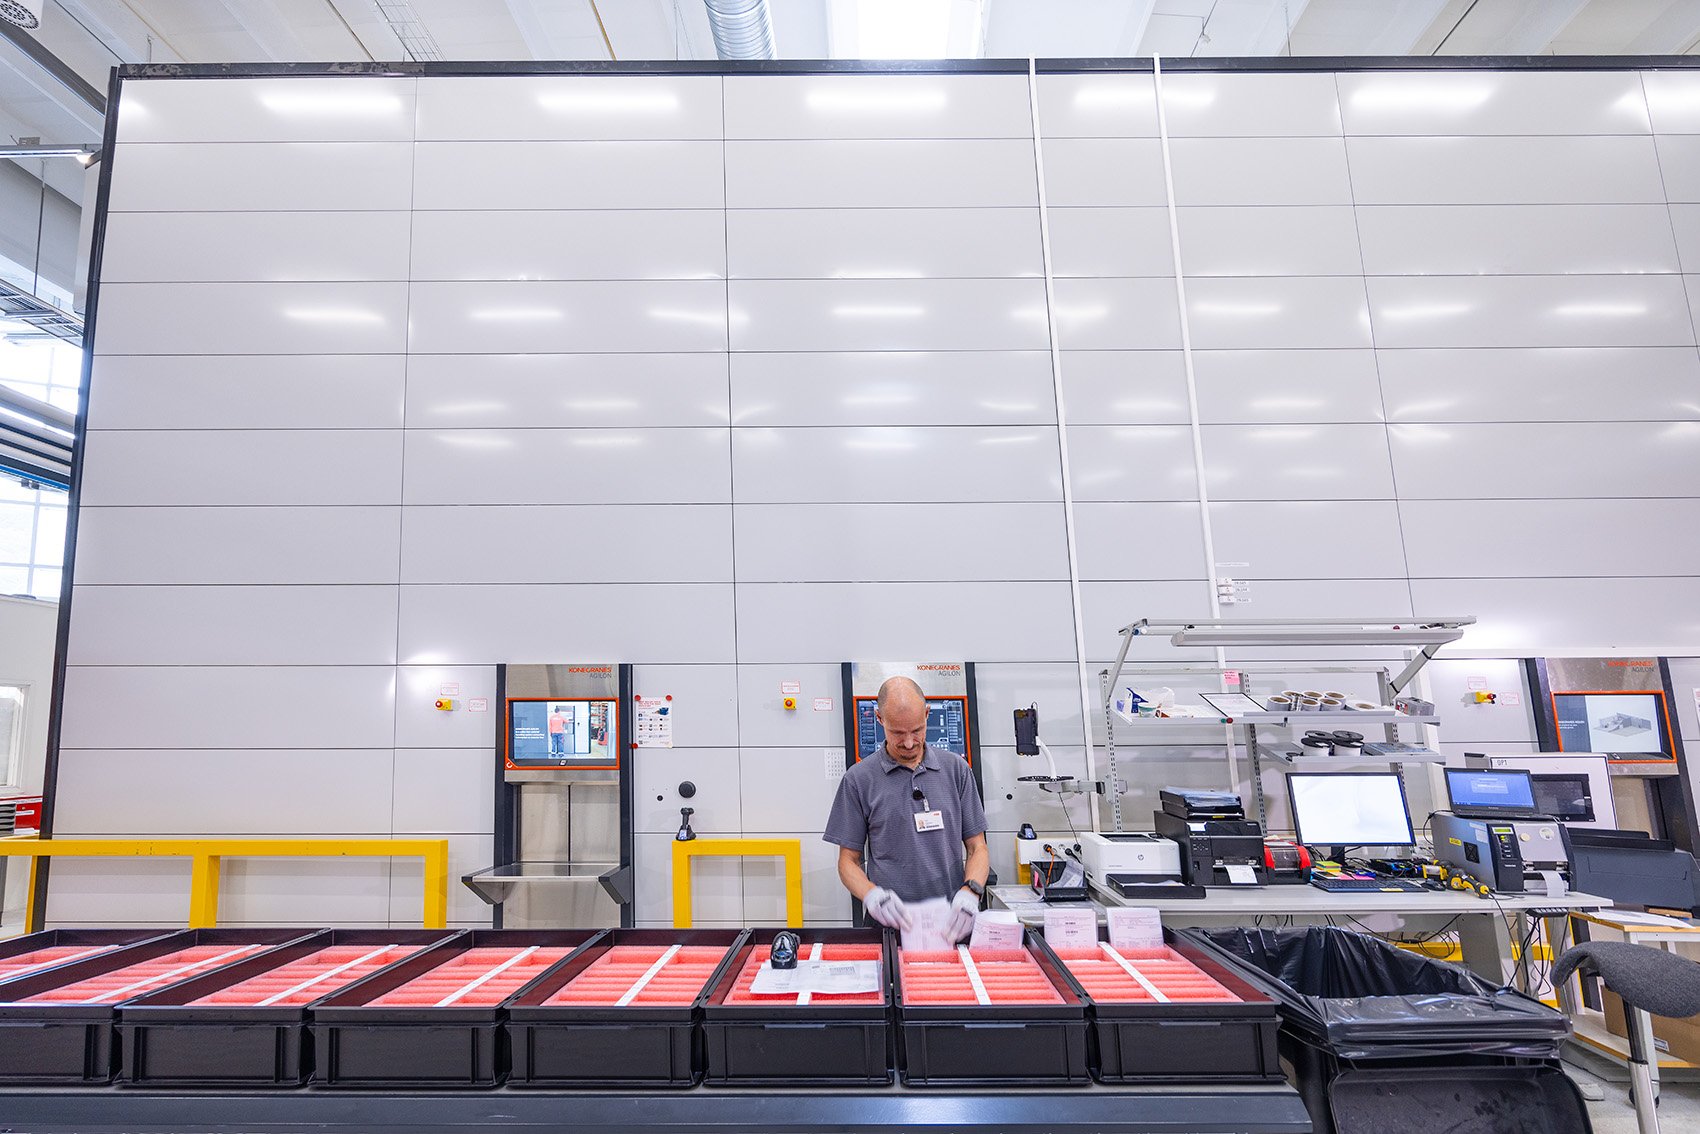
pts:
pixel 449 979
pixel 840 951
pixel 43 958
pixel 611 976
pixel 145 976
pixel 1167 970
pixel 305 980
pixel 1009 976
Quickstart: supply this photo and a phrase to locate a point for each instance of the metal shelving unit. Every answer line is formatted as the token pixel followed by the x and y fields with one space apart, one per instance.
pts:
pixel 1427 634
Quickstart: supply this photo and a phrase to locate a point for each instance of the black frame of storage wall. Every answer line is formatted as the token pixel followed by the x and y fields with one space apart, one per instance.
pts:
pixel 1248 65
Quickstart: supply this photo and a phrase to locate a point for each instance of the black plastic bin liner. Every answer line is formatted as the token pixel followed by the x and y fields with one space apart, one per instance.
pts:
pixel 1359 997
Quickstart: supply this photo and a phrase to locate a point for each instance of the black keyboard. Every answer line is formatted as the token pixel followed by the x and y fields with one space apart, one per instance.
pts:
pixel 1367 885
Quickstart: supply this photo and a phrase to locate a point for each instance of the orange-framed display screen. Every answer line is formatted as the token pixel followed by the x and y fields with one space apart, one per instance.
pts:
pixel 1632 726
pixel 576 733
pixel 949 726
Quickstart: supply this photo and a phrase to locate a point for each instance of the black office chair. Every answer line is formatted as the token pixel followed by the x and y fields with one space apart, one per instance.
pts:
pixel 1651 982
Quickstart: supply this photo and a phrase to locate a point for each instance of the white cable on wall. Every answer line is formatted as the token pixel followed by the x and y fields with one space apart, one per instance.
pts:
pixel 1191 384
pixel 1087 708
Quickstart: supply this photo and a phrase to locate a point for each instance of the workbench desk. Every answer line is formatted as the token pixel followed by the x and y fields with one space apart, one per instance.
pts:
pixel 1482 927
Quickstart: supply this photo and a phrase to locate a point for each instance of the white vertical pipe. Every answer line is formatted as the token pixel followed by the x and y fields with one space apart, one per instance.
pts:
pixel 1086 699
pixel 1191 387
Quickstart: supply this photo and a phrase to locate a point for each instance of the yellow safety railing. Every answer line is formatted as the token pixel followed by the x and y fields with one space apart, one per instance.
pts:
pixel 791 850
pixel 207 855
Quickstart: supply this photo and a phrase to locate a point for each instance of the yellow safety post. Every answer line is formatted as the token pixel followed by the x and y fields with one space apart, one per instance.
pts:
pixel 203 891
pixel 791 850
pixel 207 857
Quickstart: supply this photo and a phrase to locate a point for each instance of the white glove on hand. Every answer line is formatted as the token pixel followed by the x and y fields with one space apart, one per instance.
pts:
pixel 963 909
pixel 886 908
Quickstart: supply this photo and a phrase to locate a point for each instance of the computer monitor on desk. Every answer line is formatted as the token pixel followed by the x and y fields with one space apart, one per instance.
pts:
pixel 1350 809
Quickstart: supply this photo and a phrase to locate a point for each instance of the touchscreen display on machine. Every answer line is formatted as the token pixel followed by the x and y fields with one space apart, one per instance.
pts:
pixel 1350 809
pixel 947 725
pixel 562 733
pixel 1618 723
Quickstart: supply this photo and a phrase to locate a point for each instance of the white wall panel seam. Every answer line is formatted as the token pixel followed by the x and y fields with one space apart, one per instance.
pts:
pixel 1381 391
pixel 401 523
pixel 1069 529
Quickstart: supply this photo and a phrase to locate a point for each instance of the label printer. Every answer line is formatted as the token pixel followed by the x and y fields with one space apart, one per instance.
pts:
pixel 1219 845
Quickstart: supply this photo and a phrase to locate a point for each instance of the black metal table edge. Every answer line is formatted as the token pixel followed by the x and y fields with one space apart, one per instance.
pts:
pixel 1274 1109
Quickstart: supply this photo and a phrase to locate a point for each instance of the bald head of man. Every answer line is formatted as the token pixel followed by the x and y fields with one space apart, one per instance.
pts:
pixel 902 713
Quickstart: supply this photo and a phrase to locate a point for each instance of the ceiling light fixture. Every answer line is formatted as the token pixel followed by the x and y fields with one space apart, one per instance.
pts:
pixel 25 13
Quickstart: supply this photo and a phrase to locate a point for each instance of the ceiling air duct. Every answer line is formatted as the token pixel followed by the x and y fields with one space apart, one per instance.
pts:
pixel 742 28
pixel 27 13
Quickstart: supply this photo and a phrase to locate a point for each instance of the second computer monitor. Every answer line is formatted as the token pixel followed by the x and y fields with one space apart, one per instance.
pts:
pixel 1350 809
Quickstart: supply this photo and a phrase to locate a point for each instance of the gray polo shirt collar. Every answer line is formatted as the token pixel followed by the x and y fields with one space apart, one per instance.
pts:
pixel 929 761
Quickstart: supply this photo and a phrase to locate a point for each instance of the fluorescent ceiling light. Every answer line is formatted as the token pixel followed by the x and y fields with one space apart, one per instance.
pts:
pixel 890 398
pixel 517 314
pixel 1112 95
pixel 609 101
pixel 1320 636
pixel 598 405
pixel 1602 310
pixel 705 318
pixel 1238 310
pixel 332 315
pixel 341 102
pixel 879 311
pixel 1418 96
pixel 843 100
pixel 903 29
pixel 1425 311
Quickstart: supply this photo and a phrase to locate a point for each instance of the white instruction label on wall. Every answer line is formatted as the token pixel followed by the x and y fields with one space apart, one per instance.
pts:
pixel 790 688
pixel 823 704
pixel 834 762
pixel 478 704
pixel 449 689
pixel 1071 929
pixel 652 721
pixel 1476 682
pixel 1510 698
pixel 1135 927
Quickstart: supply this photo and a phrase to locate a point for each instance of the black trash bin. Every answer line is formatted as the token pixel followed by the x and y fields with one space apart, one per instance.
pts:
pixel 1377 1038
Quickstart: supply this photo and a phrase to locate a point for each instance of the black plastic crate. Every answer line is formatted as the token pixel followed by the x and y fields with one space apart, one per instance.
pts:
pixel 1182 1041
pixel 798 1045
pixel 169 1040
pixel 360 1044
pixel 94 941
pixel 561 1045
pixel 48 1042
pixel 1016 1045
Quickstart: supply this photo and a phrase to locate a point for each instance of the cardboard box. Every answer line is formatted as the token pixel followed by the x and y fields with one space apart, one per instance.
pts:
pixel 1679 1038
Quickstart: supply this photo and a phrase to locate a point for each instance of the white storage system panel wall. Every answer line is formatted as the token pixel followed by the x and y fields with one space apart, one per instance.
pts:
pixel 738 377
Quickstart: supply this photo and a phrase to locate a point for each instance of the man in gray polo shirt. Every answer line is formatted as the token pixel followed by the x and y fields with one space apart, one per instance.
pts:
pixel 916 811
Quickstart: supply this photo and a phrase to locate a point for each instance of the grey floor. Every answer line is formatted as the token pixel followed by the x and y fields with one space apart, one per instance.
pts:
pixel 1679 1103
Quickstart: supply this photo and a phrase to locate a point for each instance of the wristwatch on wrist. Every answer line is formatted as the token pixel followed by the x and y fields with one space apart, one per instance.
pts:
pixel 978 888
